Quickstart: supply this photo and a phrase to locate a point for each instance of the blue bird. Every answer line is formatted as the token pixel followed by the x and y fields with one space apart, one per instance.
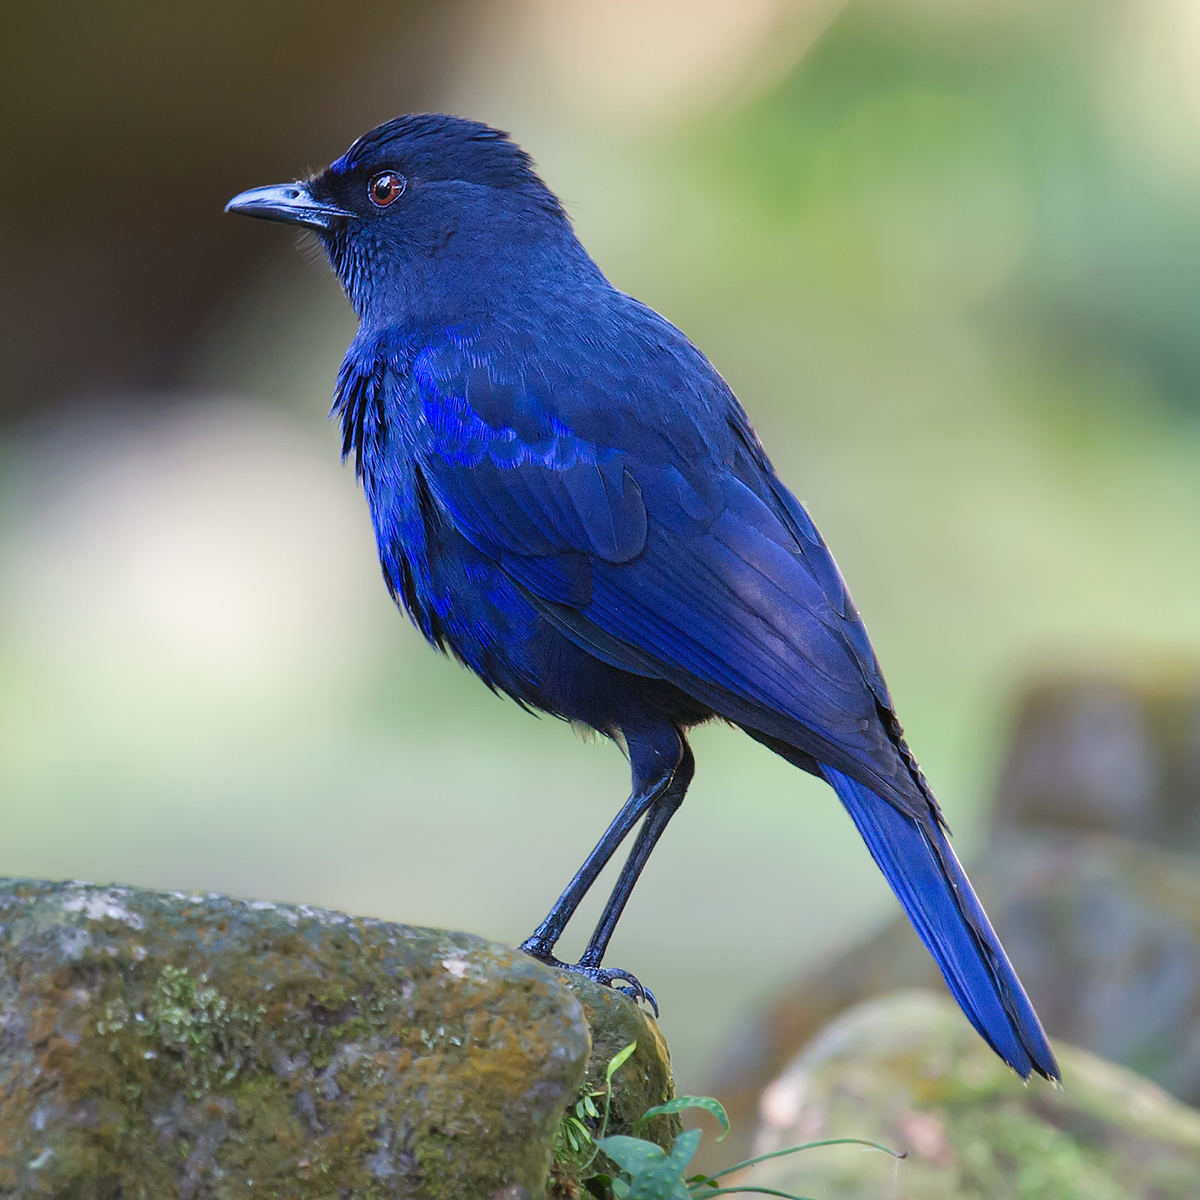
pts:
pixel 568 498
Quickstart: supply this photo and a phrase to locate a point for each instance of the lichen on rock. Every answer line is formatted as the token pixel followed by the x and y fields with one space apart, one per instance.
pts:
pixel 157 1044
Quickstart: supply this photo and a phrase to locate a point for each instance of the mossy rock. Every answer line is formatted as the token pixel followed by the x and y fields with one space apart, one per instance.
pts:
pixel 907 1070
pixel 641 1083
pixel 156 1044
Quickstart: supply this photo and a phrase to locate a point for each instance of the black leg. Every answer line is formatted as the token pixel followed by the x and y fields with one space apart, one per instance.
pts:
pixel 541 943
pixel 662 765
pixel 653 757
pixel 661 811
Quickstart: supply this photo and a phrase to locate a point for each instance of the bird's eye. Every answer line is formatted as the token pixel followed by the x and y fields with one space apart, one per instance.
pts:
pixel 386 187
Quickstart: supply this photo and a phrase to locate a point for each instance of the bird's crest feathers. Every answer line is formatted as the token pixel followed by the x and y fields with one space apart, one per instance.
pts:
pixel 435 147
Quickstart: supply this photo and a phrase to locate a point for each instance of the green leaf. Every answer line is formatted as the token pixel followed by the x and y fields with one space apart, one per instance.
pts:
pixel 681 1104
pixel 684 1148
pixel 615 1063
pixel 631 1154
pixel 662 1181
pixel 654 1175
pixel 618 1060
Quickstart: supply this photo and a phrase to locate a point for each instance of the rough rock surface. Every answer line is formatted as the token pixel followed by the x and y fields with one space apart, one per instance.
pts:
pixel 156 1044
pixel 645 1080
pixel 907 1071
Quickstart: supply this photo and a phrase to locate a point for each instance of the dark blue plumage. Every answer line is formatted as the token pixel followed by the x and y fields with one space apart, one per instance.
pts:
pixel 569 499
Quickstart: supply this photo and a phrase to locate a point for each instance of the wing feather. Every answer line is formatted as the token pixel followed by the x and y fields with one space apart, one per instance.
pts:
pixel 682 557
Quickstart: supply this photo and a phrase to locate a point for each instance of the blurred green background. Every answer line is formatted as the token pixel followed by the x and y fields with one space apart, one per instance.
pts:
pixel 947 254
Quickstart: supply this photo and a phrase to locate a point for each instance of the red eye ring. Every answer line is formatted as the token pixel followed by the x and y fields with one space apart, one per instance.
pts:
pixel 386 187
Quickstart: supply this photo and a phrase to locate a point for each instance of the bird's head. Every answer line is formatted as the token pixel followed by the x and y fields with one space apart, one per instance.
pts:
pixel 425 214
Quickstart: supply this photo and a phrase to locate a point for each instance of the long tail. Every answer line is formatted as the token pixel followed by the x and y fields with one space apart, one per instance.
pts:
pixel 936 894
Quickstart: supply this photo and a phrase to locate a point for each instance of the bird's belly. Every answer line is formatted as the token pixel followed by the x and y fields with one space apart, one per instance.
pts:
pixel 465 605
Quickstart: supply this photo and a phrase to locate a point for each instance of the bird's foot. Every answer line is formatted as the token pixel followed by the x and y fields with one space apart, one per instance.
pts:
pixel 608 976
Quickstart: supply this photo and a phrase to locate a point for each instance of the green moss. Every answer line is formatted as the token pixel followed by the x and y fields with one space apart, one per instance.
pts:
pixel 207 1036
pixel 1008 1148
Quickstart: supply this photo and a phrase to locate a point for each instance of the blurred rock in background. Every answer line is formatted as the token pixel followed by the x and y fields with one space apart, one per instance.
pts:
pixel 1101 754
pixel 906 1071
pixel 1101 920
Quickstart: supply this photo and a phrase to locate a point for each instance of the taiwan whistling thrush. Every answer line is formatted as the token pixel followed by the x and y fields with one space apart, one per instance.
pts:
pixel 569 499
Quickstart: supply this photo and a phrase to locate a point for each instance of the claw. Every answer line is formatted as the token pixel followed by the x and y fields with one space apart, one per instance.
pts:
pixel 603 975
pixel 635 991
pixel 641 992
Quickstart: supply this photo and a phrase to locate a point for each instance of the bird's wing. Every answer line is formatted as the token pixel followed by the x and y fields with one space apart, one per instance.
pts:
pixel 627 495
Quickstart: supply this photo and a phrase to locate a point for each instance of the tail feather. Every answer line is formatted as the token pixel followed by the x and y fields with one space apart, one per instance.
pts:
pixel 931 885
